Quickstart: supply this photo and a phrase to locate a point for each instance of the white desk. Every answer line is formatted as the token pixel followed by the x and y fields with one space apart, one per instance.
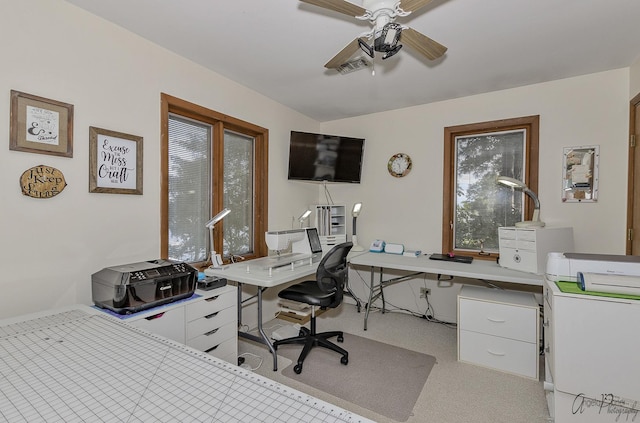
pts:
pixel 478 269
pixel 259 273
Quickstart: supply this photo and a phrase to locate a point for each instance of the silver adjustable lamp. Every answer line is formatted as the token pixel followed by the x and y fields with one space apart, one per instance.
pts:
pixel 303 217
pixel 216 259
pixel 355 212
pixel 516 184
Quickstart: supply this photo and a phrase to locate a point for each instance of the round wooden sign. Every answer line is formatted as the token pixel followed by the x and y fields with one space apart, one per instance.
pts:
pixel 42 182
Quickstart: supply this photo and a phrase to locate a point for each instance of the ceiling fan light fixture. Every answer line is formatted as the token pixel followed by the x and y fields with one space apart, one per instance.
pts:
pixel 392 52
pixel 391 33
pixel 365 47
pixel 388 37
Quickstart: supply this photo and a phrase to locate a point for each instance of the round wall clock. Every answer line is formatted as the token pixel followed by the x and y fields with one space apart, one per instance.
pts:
pixel 399 165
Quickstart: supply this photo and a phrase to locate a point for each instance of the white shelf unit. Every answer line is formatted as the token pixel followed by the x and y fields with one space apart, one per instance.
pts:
pixel 331 222
pixel 207 323
pixel 499 329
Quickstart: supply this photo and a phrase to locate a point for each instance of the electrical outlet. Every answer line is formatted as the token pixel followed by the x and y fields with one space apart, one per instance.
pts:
pixel 424 292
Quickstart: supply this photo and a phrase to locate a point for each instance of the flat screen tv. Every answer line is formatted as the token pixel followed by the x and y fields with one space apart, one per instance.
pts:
pixel 325 158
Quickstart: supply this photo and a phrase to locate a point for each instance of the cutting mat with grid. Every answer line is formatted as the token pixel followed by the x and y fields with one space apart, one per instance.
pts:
pixel 77 366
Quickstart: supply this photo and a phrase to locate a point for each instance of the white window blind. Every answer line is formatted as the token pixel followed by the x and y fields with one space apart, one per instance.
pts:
pixel 189 188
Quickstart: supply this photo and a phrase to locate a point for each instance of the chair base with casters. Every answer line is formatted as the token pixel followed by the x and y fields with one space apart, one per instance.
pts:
pixel 325 292
pixel 310 338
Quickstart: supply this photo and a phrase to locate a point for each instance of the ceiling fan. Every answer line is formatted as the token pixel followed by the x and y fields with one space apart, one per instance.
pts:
pixel 386 35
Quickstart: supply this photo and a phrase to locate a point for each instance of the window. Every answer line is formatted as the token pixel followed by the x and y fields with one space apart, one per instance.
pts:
pixel 474 205
pixel 211 161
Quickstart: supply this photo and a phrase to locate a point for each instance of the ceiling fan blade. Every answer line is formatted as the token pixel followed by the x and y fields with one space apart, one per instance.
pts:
pixel 422 44
pixel 341 6
pixel 413 5
pixel 343 56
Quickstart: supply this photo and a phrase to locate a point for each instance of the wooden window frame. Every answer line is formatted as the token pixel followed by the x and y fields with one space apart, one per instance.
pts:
pixel 532 126
pixel 219 122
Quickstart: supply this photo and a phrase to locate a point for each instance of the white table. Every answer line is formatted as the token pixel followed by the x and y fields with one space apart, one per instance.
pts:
pixel 478 269
pixel 263 273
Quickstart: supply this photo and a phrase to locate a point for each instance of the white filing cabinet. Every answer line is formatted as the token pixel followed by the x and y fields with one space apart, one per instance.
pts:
pixel 207 323
pixel 526 249
pixel 499 329
pixel 591 357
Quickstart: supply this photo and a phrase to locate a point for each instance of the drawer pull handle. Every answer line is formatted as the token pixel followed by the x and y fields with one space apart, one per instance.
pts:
pixel 211 332
pixel 212 298
pixel 495 353
pixel 212 348
pixel 155 316
pixel 211 315
pixel 495 320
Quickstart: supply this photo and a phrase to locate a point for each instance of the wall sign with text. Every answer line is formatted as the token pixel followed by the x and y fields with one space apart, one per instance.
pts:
pixel 115 162
pixel 42 182
pixel 41 125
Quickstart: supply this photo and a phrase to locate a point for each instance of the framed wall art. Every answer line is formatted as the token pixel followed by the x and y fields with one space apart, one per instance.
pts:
pixel 115 162
pixel 40 125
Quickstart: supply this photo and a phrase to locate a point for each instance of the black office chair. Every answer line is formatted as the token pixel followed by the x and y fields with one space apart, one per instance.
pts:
pixel 324 292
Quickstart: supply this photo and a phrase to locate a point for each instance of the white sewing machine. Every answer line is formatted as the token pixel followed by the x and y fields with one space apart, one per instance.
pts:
pixel 305 245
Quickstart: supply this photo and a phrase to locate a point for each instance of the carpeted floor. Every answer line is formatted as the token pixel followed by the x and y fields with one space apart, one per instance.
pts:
pixel 453 393
pixel 388 390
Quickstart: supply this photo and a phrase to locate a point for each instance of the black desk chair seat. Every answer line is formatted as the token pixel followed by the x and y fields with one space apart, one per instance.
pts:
pixel 325 292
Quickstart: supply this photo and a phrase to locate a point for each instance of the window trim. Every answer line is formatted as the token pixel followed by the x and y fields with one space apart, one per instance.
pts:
pixel 219 122
pixel 532 126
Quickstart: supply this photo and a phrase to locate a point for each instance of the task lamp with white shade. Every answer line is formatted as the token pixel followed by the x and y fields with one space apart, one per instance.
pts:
pixel 355 212
pixel 516 184
pixel 303 217
pixel 216 259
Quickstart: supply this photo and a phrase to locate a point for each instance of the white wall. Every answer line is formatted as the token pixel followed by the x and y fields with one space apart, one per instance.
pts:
pixel 634 79
pixel 114 79
pixel 586 110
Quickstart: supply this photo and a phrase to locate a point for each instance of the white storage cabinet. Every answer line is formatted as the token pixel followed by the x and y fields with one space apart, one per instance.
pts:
pixel 591 357
pixel 499 329
pixel 207 323
pixel 526 249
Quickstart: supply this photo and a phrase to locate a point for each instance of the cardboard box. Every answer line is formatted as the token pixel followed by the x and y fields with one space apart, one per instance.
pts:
pixel 300 319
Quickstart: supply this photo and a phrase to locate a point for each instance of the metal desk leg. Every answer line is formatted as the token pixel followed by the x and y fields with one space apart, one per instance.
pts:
pixel 350 293
pixel 263 338
pixel 384 303
pixel 239 305
pixel 368 305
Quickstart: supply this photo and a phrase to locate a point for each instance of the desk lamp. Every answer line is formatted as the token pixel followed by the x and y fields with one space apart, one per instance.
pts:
pixel 303 216
pixel 516 184
pixel 216 259
pixel 354 239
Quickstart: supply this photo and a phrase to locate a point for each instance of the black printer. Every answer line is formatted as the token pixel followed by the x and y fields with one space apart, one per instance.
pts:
pixel 130 288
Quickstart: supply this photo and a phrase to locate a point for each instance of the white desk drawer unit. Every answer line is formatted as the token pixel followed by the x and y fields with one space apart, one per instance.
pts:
pixel 526 249
pixel 212 322
pixel 207 323
pixel 499 329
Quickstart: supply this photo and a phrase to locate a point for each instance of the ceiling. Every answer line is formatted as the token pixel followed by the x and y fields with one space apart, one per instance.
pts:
pixel 279 47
